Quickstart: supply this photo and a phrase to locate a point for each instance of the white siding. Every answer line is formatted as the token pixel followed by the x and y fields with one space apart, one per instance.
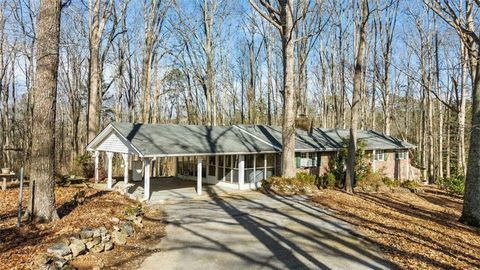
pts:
pixel 113 143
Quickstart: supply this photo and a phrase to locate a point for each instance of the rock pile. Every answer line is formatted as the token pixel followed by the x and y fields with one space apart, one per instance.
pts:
pixel 94 240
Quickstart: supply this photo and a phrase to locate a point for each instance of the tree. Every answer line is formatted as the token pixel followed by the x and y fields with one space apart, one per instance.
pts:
pixel 357 87
pixel 44 111
pixel 282 18
pixel 463 23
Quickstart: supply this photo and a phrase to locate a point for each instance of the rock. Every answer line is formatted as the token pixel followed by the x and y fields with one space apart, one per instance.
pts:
pixel 98 248
pixel 96 233
pixel 69 257
pixel 103 231
pixel 138 222
pixel 417 190
pixel 128 228
pixel 41 259
pixel 59 262
pixel 115 220
pixel 59 249
pixel 95 241
pixel 108 245
pixel 119 237
pixel 106 237
pixel 402 190
pixel 116 228
pixel 78 247
pixel 64 240
pixel 68 267
pixel 357 189
pixel 86 233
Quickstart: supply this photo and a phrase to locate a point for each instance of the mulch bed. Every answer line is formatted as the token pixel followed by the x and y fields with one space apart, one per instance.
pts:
pixel 19 245
pixel 415 231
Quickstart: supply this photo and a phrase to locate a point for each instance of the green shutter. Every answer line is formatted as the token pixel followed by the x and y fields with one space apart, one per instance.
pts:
pixel 297 162
pixel 385 156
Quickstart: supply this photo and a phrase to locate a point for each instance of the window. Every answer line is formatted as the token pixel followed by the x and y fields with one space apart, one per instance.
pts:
pixel 402 154
pixel 260 162
pixel 248 161
pixel 380 155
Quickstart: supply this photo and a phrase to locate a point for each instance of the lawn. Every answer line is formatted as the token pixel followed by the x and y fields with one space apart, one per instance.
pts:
pixel 19 245
pixel 414 231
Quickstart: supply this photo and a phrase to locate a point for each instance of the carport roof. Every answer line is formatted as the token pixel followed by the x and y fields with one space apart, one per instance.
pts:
pixel 151 140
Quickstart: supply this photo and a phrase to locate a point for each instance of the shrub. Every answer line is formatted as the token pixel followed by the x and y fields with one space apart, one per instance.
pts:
pixel 307 178
pixel 453 185
pixel 84 165
pixel 329 180
pixel 289 186
pixel 412 185
pixel 371 179
pixel 389 182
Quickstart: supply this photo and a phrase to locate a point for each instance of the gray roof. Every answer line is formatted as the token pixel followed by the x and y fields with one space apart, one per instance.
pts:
pixel 183 140
pixel 324 139
pixel 164 140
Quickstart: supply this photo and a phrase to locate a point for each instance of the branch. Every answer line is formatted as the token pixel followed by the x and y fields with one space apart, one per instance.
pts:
pixel 272 19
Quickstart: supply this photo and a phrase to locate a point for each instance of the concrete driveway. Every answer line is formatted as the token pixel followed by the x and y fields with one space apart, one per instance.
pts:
pixel 251 230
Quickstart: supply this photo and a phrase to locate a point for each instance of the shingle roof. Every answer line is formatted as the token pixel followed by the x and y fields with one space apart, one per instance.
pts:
pixel 182 140
pixel 324 139
pixel 164 140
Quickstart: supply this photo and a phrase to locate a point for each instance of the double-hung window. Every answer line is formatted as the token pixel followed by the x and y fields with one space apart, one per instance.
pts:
pixel 401 154
pixel 380 155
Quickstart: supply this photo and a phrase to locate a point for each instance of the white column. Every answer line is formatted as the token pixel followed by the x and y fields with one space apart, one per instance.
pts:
pixel 125 172
pixel 146 184
pixel 216 170
pixel 265 167
pixel 241 171
pixel 96 155
pixel 232 165
pixel 199 175
pixel 109 172
pixel 373 161
pixel 254 168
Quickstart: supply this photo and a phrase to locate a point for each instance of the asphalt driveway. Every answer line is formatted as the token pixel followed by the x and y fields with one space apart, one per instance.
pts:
pixel 254 231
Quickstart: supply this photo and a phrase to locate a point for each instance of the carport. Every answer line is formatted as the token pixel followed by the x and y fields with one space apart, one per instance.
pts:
pixel 229 157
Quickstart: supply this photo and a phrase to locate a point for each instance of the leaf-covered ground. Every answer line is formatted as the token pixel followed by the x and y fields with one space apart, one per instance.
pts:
pixel 19 245
pixel 415 231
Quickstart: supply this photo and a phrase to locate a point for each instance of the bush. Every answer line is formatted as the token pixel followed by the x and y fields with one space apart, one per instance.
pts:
pixel 329 180
pixel 411 185
pixel 370 179
pixel 389 182
pixel 307 178
pixel 302 184
pixel 84 166
pixel 453 185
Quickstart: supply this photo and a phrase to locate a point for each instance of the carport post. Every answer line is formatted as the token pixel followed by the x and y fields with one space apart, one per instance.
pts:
pixel 125 172
pixel 241 171
pixel 146 185
pixel 109 173
pixel 199 175
pixel 96 154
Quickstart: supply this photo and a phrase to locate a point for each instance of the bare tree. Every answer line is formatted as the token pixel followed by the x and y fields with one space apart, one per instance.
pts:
pixel 465 29
pixel 44 112
pixel 357 87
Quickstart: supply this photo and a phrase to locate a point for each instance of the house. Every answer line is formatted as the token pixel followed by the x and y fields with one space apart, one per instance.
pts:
pixel 238 156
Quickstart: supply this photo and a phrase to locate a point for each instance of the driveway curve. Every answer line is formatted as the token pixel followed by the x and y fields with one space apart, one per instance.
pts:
pixel 252 230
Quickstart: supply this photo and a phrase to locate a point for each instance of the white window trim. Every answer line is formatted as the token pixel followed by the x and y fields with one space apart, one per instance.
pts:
pixel 379 153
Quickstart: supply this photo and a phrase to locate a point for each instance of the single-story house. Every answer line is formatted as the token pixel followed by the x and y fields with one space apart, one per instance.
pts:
pixel 239 156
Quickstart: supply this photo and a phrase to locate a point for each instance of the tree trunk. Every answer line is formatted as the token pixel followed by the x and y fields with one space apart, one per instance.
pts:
pixel 44 112
pixel 471 199
pixel 357 87
pixel 289 110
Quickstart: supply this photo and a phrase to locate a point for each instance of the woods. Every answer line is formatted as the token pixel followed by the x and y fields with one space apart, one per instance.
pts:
pixel 403 68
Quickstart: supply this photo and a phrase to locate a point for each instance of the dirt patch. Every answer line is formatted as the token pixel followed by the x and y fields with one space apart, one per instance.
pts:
pixel 415 231
pixel 17 245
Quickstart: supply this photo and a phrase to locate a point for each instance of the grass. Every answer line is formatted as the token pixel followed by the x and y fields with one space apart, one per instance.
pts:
pixel 414 231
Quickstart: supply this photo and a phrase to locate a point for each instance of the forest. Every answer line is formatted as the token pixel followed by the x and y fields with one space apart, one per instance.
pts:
pixel 404 68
